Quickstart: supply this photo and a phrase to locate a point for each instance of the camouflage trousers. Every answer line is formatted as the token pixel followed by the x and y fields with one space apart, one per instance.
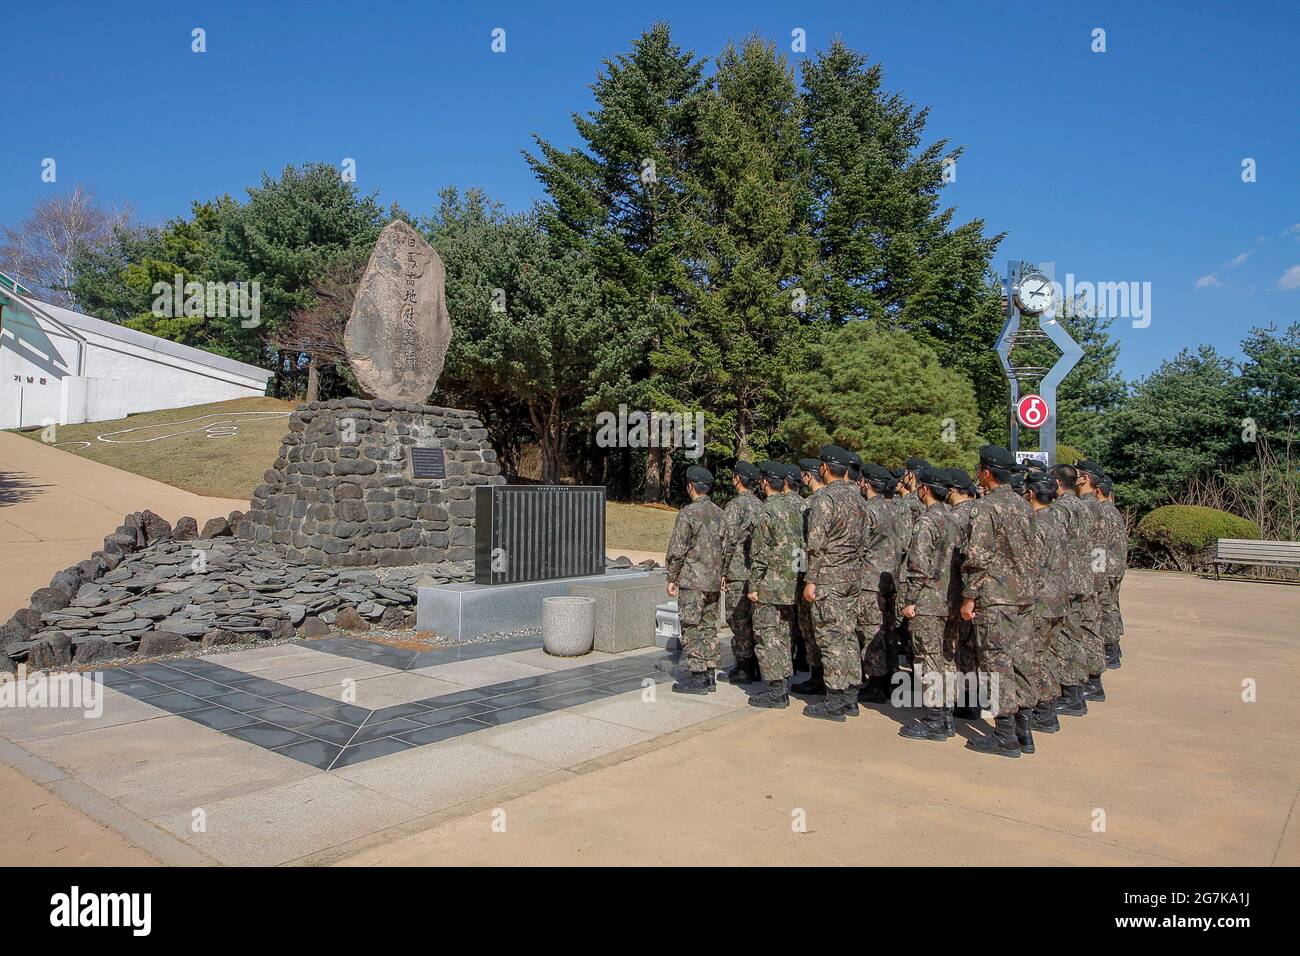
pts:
pixel 697 612
pixel 873 634
pixel 835 615
pixel 932 663
pixel 740 618
pixel 1063 660
pixel 1002 635
pixel 961 637
pixel 804 614
pixel 1089 632
pixel 772 629
pixel 1042 630
pixel 1112 622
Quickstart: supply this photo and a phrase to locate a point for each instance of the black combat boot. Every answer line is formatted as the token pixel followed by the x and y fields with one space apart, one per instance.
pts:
pixel 829 708
pixel 851 701
pixel 966 713
pixel 875 691
pixel 1112 657
pixel 815 684
pixel 1071 702
pixel 745 672
pixel 777 696
pixel 1045 719
pixel 692 682
pixel 1024 732
pixel 929 727
pixel 1094 691
pixel 1002 741
pixel 948 729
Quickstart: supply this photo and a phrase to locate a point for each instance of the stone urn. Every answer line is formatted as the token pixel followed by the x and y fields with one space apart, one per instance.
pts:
pixel 568 625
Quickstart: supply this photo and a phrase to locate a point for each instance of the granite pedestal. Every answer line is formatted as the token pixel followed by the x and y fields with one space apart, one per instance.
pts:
pixel 465 611
pixel 625 610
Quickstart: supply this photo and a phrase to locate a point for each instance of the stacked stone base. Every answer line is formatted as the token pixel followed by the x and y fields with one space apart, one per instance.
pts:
pixel 342 493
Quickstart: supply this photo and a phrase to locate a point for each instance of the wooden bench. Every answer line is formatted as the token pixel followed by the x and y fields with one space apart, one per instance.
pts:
pixel 1280 554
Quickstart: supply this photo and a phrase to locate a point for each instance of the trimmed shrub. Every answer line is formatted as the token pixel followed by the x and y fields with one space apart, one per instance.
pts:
pixel 1183 535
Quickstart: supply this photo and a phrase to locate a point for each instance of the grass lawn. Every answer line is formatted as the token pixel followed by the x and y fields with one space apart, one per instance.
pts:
pixel 221 450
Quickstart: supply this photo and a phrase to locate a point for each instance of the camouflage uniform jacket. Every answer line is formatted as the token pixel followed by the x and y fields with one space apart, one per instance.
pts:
pixel 879 545
pixel 695 551
pixel 1097 551
pixel 961 538
pixel 912 503
pixel 1116 540
pixel 999 568
pixel 777 554
pixel 905 518
pixel 1052 559
pixel 929 561
pixel 835 518
pixel 738 520
pixel 1077 543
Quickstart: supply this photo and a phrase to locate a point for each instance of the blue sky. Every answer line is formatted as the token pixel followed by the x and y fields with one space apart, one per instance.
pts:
pixel 1122 166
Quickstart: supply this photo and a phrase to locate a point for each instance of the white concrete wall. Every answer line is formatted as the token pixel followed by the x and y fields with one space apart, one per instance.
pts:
pixel 97 371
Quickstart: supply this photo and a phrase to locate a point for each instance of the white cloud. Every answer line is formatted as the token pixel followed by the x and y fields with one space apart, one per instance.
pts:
pixel 1239 260
pixel 1292 230
pixel 1290 279
pixel 1205 282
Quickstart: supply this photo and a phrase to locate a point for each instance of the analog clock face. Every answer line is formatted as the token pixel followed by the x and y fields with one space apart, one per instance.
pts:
pixel 1034 293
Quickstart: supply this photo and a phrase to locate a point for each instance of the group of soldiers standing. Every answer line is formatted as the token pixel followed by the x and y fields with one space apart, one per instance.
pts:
pixel 998 593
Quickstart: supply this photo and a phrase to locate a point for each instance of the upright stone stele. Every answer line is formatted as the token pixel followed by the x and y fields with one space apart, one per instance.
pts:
pixel 397 335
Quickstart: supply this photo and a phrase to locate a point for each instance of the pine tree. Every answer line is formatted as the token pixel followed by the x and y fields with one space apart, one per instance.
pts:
pixel 887 249
pixel 621 199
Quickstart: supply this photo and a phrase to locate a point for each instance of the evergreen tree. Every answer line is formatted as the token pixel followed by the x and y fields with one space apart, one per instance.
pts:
pixel 742 332
pixel 621 199
pixel 884 395
pixel 887 250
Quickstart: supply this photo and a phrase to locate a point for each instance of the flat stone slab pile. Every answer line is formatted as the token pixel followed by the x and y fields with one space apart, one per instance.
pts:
pixel 156 590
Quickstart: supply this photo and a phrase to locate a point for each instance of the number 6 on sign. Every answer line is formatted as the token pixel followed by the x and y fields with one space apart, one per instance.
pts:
pixel 1031 411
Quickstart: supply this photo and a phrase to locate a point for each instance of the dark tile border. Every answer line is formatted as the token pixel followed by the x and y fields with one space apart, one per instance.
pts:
pixel 327 734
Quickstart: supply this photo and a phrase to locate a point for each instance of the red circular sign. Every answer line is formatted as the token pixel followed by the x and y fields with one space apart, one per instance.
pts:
pixel 1031 411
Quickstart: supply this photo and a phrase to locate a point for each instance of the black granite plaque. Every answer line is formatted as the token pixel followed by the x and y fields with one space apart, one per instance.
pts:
pixel 428 463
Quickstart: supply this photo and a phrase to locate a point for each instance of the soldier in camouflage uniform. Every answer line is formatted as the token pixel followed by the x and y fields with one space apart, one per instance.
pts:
pixel 777 557
pixel 961 633
pixel 880 537
pixel 798 653
pixel 1079 543
pixel 808 468
pixel 1052 641
pixel 1112 621
pixel 832 578
pixel 903 497
pixel 998 587
pixel 695 578
pixel 1099 563
pixel 925 604
pixel 738 520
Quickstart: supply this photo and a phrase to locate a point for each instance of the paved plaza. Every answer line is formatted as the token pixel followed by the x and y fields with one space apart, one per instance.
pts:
pixel 348 751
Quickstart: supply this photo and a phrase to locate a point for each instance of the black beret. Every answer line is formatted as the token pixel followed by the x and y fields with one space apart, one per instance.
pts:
pixel 916 464
pixel 997 456
pixel 746 470
pixel 835 455
pixel 931 476
pixel 1033 465
pixel 1106 485
pixel 1017 482
pixel 793 473
pixel 772 470
pixel 809 465
pixel 878 475
pixel 1042 485
pixel 1089 467
pixel 699 476
pixel 899 472
pixel 959 479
